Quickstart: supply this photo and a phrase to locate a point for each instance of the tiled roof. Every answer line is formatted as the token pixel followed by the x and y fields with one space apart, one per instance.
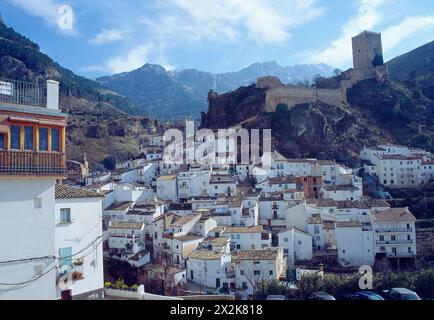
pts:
pixel 348 224
pixel 126 225
pixel 266 254
pixel 217 241
pixel 352 205
pixel 120 206
pixel 188 238
pixel 394 214
pixel 348 187
pixel 326 203
pixel 205 255
pixel 65 192
pixel 184 220
pixel 254 229
pixel 377 203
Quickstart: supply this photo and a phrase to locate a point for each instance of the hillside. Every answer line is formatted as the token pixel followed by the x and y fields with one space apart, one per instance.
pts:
pixel 416 63
pixel 378 112
pixel 175 94
pixel 88 102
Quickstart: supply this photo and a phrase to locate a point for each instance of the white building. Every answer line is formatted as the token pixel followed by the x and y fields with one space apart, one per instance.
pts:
pixel 222 186
pixel 193 184
pixel 341 192
pixel 296 245
pixel 29 168
pixel 252 267
pixel 355 244
pixel 247 238
pixel 167 188
pixel 79 242
pixel 395 233
pixel 210 269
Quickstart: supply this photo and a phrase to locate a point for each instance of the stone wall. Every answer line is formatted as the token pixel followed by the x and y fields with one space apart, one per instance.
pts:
pixel 292 96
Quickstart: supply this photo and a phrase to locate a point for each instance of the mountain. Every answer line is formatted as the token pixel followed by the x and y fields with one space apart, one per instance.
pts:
pixel 100 122
pixel 172 94
pixel 419 62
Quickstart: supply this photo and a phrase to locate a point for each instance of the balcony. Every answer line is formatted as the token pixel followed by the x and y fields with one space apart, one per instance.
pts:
pixel 23 163
pixel 394 242
pixel 394 230
pixel 22 93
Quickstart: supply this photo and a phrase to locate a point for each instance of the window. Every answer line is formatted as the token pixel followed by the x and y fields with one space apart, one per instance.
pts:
pixel 271 272
pixel 285 251
pixel 2 141
pixel 43 139
pixel 65 215
pixel 28 138
pixel 15 137
pixel 316 229
pixel 242 272
pixel 65 256
pixel 285 239
pixel 55 140
pixel 257 272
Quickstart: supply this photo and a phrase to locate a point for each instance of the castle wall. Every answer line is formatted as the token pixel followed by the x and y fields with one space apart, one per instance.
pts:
pixel 292 96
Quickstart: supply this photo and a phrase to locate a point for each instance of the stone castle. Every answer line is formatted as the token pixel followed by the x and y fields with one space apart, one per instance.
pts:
pixel 367 64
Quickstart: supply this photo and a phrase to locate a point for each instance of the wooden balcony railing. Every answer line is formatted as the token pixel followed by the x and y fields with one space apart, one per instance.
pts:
pixel 22 163
pixel 23 93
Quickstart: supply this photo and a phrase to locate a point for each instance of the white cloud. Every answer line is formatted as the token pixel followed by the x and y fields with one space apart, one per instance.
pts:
pixel 179 22
pixel 132 60
pixel 264 21
pixel 395 35
pixel 107 36
pixel 339 53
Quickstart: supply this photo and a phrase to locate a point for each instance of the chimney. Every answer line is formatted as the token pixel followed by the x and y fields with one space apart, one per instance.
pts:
pixel 52 95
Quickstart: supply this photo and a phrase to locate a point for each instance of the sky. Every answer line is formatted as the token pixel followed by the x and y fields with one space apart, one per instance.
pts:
pixel 101 37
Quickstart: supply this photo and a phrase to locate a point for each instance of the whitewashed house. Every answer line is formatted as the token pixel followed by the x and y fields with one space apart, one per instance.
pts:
pixel 341 192
pixel 79 241
pixel 296 245
pixel 247 238
pixel 193 184
pixel 222 186
pixel 167 188
pixel 272 209
pixel 395 233
pixel 252 267
pixel 32 158
pixel 210 269
pixel 355 243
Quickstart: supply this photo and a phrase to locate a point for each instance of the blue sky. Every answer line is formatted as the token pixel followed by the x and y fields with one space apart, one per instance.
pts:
pixel 215 35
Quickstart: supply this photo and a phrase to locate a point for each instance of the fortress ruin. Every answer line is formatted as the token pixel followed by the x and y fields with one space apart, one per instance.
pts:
pixel 367 64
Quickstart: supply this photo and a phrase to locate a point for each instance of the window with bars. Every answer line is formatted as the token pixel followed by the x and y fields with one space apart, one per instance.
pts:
pixel 65 256
pixel 65 215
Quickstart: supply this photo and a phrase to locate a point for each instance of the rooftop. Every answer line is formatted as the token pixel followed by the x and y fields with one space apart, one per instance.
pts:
pixel 65 192
pixel 347 187
pixel 254 229
pixel 394 214
pixel 126 225
pixel 203 254
pixel 348 224
pixel 120 206
pixel 266 254
pixel 184 220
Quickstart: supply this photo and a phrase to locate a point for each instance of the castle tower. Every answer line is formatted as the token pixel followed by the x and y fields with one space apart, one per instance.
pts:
pixel 367 50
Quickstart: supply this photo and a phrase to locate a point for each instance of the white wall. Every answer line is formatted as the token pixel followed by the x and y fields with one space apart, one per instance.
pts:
pixel 85 229
pixel 26 232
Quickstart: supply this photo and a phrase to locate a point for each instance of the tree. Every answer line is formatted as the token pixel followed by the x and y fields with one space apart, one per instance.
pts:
pixel 378 60
pixel 109 163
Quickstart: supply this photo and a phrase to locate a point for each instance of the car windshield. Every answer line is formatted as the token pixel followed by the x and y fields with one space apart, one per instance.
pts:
pixel 374 297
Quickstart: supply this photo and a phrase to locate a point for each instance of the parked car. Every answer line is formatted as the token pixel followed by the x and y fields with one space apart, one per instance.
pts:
pixel 276 297
pixel 401 294
pixel 225 291
pixel 320 296
pixel 363 295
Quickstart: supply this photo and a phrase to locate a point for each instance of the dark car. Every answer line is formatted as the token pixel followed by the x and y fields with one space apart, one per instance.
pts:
pixel 320 296
pixel 364 295
pixel 401 294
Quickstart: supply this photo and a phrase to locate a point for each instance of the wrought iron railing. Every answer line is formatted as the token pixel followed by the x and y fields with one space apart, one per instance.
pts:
pixel 23 93
pixel 15 163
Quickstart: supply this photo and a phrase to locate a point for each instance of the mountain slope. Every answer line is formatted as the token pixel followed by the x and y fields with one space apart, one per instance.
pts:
pixel 171 94
pixel 89 104
pixel 378 112
pixel 418 62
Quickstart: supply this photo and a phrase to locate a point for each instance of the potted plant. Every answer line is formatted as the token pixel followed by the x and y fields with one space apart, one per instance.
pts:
pixel 78 262
pixel 77 275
